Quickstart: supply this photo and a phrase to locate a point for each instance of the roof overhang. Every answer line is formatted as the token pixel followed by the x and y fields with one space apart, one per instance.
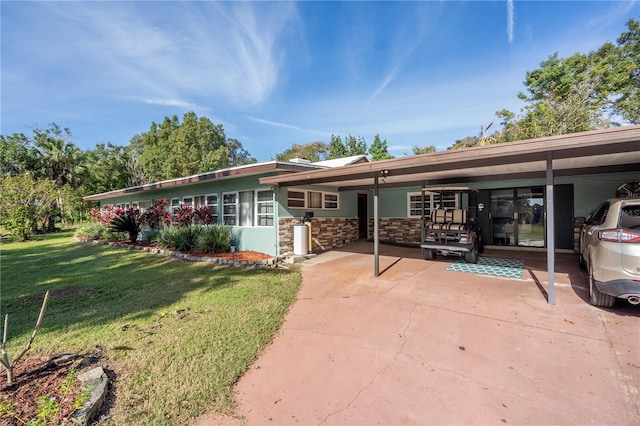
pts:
pixel 232 172
pixel 595 152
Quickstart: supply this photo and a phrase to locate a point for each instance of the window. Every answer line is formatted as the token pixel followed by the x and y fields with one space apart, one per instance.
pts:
pixel 188 201
pixel 315 200
pixel 248 208
pixel 431 201
pixel 144 205
pixel 414 207
pixel 300 199
pixel 212 203
pixel 199 201
pixel 229 208
pixel 330 201
pixel 264 208
pixel 296 199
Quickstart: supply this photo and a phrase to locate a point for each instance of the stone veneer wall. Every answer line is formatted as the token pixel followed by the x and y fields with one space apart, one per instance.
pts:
pixel 399 230
pixel 326 233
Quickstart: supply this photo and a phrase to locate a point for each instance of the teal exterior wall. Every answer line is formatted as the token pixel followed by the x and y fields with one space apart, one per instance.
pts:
pixel 589 191
pixel 257 238
pixel 347 203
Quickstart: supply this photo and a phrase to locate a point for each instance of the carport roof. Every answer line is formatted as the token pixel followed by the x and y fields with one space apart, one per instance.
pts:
pixel 594 152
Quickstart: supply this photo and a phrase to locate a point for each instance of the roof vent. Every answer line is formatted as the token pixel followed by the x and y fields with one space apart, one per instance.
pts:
pixel 300 160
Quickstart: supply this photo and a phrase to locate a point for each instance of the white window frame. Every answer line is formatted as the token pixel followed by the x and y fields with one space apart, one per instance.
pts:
pixel 214 204
pixel 325 199
pixel 235 208
pixel 430 201
pixel 257 203
pixel 256 214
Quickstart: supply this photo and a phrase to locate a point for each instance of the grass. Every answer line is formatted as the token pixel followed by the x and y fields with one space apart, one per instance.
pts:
pixel 177 335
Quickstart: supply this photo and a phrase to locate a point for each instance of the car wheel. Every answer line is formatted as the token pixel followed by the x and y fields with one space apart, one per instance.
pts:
pixel 581 261
pixel 428 254
pixel 596 297
pixel 471 256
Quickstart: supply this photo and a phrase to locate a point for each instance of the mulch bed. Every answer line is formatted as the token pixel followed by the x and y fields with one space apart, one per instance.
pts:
pixel 33 379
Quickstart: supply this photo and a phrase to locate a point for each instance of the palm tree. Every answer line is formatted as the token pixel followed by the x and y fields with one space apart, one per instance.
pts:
pixel 63 161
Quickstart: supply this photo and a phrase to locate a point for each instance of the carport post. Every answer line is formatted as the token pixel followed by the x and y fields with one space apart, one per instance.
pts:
pixel 551 241
pixel 376 230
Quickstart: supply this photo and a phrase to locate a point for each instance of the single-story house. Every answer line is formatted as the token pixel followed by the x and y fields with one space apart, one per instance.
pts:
pixel 527 190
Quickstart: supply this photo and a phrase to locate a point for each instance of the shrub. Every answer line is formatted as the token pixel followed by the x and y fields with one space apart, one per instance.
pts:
pixel 92 231
pixel 156 215
pixel 214 239
pixel 151 236
pixel 206 215
pixel 180 238
pixel 129 223
pixel 184 215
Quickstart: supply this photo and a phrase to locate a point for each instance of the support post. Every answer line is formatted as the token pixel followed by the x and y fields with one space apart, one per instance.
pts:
pixel 376 230
pixel 551 242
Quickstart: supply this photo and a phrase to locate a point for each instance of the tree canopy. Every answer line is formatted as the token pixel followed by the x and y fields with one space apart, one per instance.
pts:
pixel 313 151
pixel 172 149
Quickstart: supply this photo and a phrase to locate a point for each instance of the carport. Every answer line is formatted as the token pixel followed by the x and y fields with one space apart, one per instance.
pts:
pixel 594 152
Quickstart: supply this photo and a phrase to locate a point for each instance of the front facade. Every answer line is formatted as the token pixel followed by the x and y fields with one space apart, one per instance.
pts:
pixel 262 208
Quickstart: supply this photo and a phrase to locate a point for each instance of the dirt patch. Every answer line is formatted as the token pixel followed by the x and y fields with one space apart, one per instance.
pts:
pixel 37 378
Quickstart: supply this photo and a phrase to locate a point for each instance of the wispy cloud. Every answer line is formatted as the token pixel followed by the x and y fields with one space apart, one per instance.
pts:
pixel 510 20
pixel 229 51
pixel 273 123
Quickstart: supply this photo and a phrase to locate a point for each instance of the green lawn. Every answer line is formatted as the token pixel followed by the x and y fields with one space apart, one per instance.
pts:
pixel 177 335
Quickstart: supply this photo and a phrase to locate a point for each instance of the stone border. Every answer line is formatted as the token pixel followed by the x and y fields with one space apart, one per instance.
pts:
pixel 267 263
pixel 95 379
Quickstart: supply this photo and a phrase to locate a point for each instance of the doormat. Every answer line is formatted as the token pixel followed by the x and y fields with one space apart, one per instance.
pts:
pixel 492 266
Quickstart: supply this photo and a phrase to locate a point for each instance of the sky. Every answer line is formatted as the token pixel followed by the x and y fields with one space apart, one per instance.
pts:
pixel 280 73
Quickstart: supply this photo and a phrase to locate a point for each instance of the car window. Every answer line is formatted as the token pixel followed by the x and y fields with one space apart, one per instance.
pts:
pixel 630 217
pixel 599 214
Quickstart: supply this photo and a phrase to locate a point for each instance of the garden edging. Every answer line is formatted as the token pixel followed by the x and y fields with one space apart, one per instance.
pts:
pixel 267 263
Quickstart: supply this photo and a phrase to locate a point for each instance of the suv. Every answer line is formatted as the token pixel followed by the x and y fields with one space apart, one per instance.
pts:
pixel 610 251
pixel 451 231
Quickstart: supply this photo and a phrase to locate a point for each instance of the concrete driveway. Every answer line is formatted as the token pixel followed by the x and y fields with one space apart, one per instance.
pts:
pixel 424 345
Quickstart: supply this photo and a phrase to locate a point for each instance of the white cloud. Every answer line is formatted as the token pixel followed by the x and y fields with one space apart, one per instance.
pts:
pixel 510 20
pixel 229 51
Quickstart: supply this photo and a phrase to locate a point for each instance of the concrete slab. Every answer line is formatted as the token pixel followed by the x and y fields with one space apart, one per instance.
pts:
pixel 423 345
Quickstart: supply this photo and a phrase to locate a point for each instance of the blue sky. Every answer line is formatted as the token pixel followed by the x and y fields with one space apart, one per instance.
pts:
pixel 278 73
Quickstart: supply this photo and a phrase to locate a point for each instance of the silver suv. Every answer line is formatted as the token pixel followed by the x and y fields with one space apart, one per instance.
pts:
pixel 610 251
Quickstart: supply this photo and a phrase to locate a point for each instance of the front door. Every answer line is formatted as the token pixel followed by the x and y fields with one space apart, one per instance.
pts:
pixel 362 216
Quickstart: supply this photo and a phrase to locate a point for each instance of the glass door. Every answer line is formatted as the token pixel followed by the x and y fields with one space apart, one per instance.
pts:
pixel 502 217
pixel 517 217
pixel 530 230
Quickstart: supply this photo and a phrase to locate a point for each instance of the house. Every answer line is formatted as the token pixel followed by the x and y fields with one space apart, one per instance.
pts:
pixel 262 218
pixel 525 189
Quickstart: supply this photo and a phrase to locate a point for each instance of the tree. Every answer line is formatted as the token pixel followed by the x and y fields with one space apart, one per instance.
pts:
pixel 25 202
pixel 313 151
pixel 238 156
pixel 579 93
pixel 378 150
pixel 352 146
pixel 109 171
pixel 423 150
pixel 173 149
pixel 356 145
pixel 17 156
pixel 336 148
pixel 64 164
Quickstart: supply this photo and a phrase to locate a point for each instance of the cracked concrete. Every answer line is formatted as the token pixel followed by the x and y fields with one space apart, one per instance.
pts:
pixel 423 345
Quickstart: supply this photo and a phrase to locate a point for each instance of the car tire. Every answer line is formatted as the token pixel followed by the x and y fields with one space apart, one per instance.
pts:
pixel 471 256
pixel 428 254
pixel 596 297
pixel 581 262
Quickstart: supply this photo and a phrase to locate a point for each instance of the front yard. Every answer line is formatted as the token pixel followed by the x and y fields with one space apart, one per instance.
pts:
pixel 174 335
